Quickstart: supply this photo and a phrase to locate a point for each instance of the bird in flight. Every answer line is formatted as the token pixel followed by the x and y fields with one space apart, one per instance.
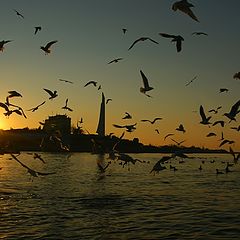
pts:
pixel 8 111
pixel 157 131
pixel 226 141
pixel 146 87
pixel 141 39
pixel 18 13
pixel 221 122
pixel 185 7
pixel 153 121
pixel 2 43
pixel 181 128
pixel 233 112
pixel 37 29
pixel 205 120
pixel 94 83
pixel 211 134
pixel 66 106
pixel 130 128
pixel 221 90
pixel 215 111
pixel 47 49
pixel 178 143
pixel 36 108
pixel 116 60
pixel 158 167
pixel 14 94
pixel 168 135
pixel 124 30
pixel 236 75
pixel 108 100
pixel 236 128
pixel 127 116
pixel 199 33
pixel 188 83
pixel 175 38
pixel 66 81
pixel 52 94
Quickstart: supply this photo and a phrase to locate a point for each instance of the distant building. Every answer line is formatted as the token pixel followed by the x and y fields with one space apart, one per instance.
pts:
pixel 101 122
pixel 60 123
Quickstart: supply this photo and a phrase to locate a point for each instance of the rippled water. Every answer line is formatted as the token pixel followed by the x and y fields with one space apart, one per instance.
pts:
pixel 79 202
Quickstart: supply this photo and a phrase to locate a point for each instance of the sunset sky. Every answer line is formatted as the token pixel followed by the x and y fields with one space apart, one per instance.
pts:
pixel 89 35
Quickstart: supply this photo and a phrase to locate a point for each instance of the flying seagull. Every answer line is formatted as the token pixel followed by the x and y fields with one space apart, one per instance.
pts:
pixel 211 134
pixel 178 143
pixel 233 112
pixel 199 33
pixel 236 75
pixel 116 60
pixel 108 100
pixel 130 128
pixel 158 167
pixel 142 39
pixel 2 43
pixel 66 81
pixel 66 106
pixel 188 83
pixel 52 94
pixel 14 94
pixel 215 111
pixel 221 90
pixel 221 122
pixel 175 38
pixel 127 116
pixel 153 121
pixel 47 49
pixel 146 87
pixel 36 108
pixel 181 128
pixel 185 7
pixel 205 120
pixel 168 135
pixel 124 30
pixel 18 13
pixel 37 29
pixel 94 83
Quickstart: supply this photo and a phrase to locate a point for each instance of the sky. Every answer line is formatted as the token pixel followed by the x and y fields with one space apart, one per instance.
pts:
pixel 89 35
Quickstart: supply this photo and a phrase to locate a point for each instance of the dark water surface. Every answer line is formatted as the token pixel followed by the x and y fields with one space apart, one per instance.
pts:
pixel 79 202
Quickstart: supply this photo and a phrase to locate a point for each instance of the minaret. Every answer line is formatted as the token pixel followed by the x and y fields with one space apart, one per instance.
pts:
pixel 101 122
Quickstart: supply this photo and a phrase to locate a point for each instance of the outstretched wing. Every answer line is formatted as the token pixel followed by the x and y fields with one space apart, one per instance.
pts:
pixel 203 116
pixel 234 109
pixel 118 126
pixel 50 44
pixel 167 35
pixel 134 43
pixel 145 80
pixel 49 92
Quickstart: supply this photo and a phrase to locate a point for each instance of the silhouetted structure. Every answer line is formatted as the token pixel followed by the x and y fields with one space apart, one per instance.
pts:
pixel 101 122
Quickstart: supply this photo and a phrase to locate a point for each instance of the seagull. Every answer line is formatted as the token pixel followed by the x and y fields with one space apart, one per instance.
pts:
pixel 157 131
pixel 222 123
pixel 127 116
pixel 158 167
pixel 94 83
pixel 185 7
pixel 168 135
pixel 226 141
pixel 19 14
pixel 14 94
pixel 205 120
pixel 188 83
pixel 211 134
pixel 130 128
pixel 175 38
pixel 142 39
pixel 153 121
pixel 236 75
pixel 37 29
pixel 199 33
pixel 236 128
pixel 146 87
pixel 124 30
pixel 178 143
pixel 2 43
pixel 222 137
pixel 181 128
pixel 108 100
pixel 52 94
pixel 221 90
pixel 66 106
pixel 215 111
pixel 116 60
pixel 66 81
pixel 36 108
pixel 46 49
pixel 233 112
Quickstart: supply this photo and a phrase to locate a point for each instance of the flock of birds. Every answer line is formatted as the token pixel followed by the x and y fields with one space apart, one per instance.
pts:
pixel 183 6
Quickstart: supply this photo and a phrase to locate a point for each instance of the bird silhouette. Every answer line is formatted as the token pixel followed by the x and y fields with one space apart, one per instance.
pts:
pixel 66 106
pixel 221 90
pixel 226 141
pixel 66 81
pixel 181 128
pixel 175 38
pixel 116 60
pixel 130 128
pixel 2 43
pixel 188 83
pixel 146 87
pixel 153 121
pixel 14 94
pixel 168 135
pixel 141 39
pixel 211 134
pixel 158 166
pixel 233 112
pixel 221 122
pixel 215 111
pixel 185 7
pixel 124 30
pixel 236 128
pixel 199 33
pixel 47 49
pixel 94 83
pixel 36 108
pixel 178 143
pixel 108 100
pixel 18 13
pixel 236 75
pixel 205 120
pixel 53 94
pixel 37 29
pixel 127 116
